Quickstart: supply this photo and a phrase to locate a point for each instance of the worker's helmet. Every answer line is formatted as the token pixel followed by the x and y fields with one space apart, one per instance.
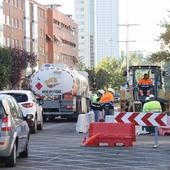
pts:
pixel 151 96
pixel 111 90
pixel 101 91
pixel 147 99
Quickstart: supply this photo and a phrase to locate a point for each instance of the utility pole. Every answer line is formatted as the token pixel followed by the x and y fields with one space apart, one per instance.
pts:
pixel 127 41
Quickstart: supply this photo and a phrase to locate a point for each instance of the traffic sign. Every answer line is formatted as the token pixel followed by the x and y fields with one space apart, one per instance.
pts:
pixel 142 118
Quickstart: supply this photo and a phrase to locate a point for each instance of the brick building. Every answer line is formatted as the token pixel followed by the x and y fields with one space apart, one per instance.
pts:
pixel 62 37
pixel 51 35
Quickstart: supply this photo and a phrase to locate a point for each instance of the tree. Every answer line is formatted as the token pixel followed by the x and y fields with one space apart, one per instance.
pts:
pixel 92 78
pixel 112 76
pixel 164 54
pixel 102 78
pixel 161 56
pixel 5 67
pixel 20 60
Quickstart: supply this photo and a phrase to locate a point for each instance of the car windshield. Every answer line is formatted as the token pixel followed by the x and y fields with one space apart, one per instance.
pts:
pixel 19 97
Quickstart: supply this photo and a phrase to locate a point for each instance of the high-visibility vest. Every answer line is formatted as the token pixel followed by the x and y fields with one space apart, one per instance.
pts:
pixel 152 106
pixel 107 97
pixel 145 81
pixel 95 99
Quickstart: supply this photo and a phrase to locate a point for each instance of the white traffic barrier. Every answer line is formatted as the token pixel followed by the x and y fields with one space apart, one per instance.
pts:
pixel 90 118
pixel 109 119
pixel 82 124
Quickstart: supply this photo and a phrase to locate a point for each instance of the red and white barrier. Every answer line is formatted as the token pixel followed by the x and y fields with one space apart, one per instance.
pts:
pixel 141 118
pixel 110 134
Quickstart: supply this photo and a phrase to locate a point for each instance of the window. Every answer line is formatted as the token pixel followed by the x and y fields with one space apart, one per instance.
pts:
pixel 41 13
pixel 41 50
pixel 17 23
pixel 13 22
pixel 17 43
pixel 19 112
pixel 41 33
pixel 22 25
pixel 17 3
pixel 13 2
pixel 13 109
pixel 7 41
pixel 13 43
pixel 21 4
pixel 7 20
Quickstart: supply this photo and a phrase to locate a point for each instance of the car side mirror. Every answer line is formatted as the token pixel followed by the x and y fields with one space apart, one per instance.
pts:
pixel 29 117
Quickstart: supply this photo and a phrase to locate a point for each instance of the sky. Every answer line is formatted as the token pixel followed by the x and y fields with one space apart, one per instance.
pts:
pixel 146 14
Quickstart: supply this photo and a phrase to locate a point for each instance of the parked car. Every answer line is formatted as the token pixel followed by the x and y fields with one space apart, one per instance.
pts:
pixel 29 105
pixel 14 131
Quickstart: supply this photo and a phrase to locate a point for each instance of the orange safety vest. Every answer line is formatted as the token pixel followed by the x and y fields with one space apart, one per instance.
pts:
pixel 107 97
pixel 145 81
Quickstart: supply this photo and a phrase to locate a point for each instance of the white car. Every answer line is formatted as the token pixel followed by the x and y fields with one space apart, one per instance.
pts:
pixel 29 105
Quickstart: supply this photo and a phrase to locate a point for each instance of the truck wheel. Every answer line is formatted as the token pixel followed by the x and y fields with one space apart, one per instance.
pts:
pixel 11 160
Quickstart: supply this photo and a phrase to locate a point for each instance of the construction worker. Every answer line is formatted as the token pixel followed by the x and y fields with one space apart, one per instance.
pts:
pixel 95 104
pixel 144 85
pixel 154 107
pixel 107 101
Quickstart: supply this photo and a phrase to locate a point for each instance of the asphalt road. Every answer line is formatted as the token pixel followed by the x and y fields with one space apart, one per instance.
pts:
pixel 57 147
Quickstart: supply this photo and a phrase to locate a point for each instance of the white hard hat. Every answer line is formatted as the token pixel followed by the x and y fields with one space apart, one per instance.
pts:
pixel 147 98
pixel 101 91
pixel 111 90
pixel 151 96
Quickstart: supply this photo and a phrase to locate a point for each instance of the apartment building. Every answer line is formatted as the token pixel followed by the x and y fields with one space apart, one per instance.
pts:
pixel 39 29
pixel 62 37
pixel 84 16
pixel 12 23
pixel 98 30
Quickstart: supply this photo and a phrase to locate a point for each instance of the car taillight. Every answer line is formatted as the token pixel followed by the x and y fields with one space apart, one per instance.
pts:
pixel 27 105
pixel 68 107
pixel 6 124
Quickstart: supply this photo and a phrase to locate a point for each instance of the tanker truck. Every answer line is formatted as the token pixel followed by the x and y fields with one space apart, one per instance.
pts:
pixel 64 91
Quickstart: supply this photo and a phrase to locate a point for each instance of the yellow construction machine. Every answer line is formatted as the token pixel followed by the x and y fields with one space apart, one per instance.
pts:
pixel 130 98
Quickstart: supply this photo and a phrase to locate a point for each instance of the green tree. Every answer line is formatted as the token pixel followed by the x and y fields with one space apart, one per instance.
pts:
pixel 102 78
pixel 164 54
pixel 161 56
pixel 5 67
pixel 92 78
pixel 113 75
